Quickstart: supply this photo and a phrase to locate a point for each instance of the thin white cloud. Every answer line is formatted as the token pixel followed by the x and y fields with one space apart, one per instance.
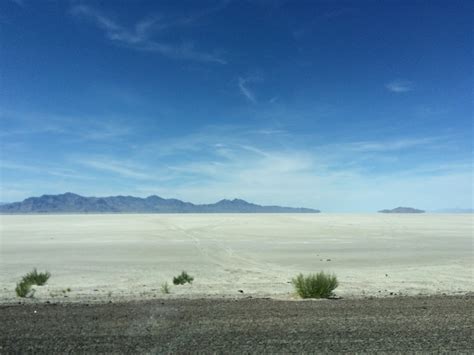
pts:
pixel 73 127
pixel 391 145
pixel 399 86
pixel 244 90
pixel 116 167
pixel 104 132
pixel 139 37
pixel 44 129
pixel 43 169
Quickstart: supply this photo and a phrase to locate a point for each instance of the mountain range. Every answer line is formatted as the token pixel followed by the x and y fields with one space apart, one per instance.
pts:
pixel 73 203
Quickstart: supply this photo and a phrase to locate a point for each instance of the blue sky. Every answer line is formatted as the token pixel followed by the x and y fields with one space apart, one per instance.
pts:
pixel 338 105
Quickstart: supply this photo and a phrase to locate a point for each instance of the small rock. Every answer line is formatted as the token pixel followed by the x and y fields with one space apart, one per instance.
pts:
pixel 328 259
pixel 241 291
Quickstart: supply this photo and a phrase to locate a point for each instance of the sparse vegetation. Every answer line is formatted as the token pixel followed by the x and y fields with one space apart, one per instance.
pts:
pixel 320 285
pixel 23 288
pixel 165 288
pixel 36 278
pixel 183 278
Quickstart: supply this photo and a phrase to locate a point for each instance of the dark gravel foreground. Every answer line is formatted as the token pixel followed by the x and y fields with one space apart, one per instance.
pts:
pixel 403 324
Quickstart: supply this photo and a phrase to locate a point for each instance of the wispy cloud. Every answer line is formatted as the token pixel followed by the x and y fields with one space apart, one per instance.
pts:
pixel 246 91
pixel 399 86
pixel 87 128
pixel 139 36
pixel 105 131
pixel 43 169
pixel 244 88
pixel 117 167
pixel 392 145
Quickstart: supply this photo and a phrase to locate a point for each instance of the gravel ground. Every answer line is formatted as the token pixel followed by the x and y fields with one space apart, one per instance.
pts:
pixel 400 324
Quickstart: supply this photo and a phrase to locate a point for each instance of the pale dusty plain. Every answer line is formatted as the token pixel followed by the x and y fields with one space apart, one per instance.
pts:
pixel 129 256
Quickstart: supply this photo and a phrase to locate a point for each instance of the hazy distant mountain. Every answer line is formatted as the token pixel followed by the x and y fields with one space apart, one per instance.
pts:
pixel 72 203
pixel 455 210
pixel 403 210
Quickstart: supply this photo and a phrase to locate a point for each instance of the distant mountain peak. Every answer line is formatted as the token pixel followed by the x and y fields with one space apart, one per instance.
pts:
pixel 72 203
pixel 238 200
pixel 233 201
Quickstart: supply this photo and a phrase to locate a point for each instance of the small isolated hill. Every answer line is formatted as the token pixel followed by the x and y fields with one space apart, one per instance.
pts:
pixel 402 210
pixel 73 203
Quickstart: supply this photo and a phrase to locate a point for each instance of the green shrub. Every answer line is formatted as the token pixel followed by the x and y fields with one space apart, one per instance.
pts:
pixel 183 278
pixel 36 278
pixel 165 288
pixel 320 285
pixel 23 288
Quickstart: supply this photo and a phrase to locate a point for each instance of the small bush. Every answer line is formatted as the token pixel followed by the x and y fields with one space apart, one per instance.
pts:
pixel 23 288
pixel 320 285
pixel 182 279
pixel 36 278
pixel 165 288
